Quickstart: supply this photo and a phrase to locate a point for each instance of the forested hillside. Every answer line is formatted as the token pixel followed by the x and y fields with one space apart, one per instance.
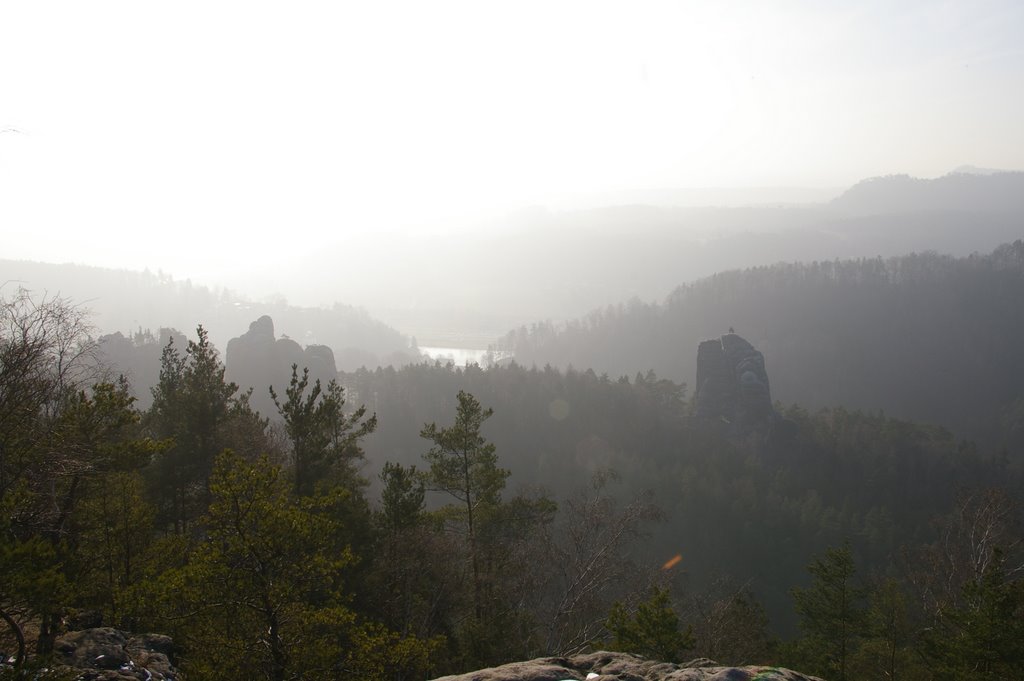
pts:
pixel 134 303
pixel 876 481
pixel 925 336
pixel 960 192
pixel 512 513
pixel 468 288
pixel 571 498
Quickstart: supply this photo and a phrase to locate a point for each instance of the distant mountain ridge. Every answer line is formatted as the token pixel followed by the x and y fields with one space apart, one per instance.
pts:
pixel 987 191
pixel 466 291
pixel 559 264
pixel 128 301
pixel 975 170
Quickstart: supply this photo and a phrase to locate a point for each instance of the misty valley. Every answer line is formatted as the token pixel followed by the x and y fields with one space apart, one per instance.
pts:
pixel 795 442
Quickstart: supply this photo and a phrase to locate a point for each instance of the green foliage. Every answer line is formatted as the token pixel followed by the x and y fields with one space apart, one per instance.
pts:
pixel 103 519
pixel 984 637
pixel 193 406
pixel 831 613
pixel 378 654
pixel 324 439
pixel 885 650
pixel 462 463
pixel 412 586
pixel 723 501
pixel 262 580
pixel 822 319
pixel 651 630
pixel 59 441
pixel 100 427
pixel 263 595
pixel 32 579
pixel 116 530
pixel 496 536
pixel 402 497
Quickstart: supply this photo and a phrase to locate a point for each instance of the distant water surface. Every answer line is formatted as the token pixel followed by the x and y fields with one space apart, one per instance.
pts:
pixel 458 356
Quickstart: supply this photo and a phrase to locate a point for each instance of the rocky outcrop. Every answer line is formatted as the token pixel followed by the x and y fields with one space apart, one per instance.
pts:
pixel 106 654
pixel 258 359
pixel 733 387
pixel 605 666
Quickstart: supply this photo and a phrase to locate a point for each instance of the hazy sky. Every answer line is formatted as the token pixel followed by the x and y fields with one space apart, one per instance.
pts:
pixel 142 134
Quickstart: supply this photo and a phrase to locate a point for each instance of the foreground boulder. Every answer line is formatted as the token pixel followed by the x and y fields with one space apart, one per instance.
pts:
pixel 605 666
pixel 106 654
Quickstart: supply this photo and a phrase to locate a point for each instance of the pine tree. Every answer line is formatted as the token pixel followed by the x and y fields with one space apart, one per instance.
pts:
pixel 464 465
pixel 324 439
pixel 652 630
pixel 264 594
pixel 261 596
pixel 192 405
pixel 402 497
pixel 830 613
pixel 983 638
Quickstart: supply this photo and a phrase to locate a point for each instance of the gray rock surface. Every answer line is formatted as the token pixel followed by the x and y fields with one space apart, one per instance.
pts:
pixel 106 654
pixel 733 387
pixel 259 359
pixel 625 667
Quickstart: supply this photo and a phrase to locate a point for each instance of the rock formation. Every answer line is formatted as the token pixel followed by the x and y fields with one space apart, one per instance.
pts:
pixel 258 359
pixel 106 654
pixel 605 666
pixel 732 387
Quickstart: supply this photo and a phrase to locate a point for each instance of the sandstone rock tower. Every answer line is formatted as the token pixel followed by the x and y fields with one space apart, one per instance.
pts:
pixel 733 388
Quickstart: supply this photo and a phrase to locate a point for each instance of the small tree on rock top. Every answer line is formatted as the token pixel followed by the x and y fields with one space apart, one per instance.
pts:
pixel 652 630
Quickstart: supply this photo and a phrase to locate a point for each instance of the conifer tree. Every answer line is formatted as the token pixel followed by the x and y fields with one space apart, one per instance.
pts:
pixel 983 638
pixel 652 630
pixel 402 497
pixel 324 439
pixel 192 404
pixel 261 593
pixel 264 594
pixel 831 613
pixel 464 465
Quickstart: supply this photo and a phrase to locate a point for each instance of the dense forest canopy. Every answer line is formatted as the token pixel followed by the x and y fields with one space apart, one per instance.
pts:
pixel 282 512
pixel 404 522
pixel 925 336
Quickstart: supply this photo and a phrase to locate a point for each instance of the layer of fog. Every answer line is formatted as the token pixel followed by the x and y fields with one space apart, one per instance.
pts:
pixel 466 287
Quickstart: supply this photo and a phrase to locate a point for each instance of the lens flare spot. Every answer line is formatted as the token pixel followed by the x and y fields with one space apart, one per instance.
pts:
pixel 672 562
